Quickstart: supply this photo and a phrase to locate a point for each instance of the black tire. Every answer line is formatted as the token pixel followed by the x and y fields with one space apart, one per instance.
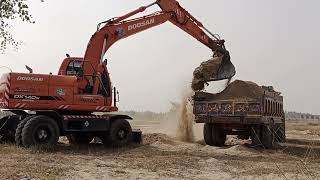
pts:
pixel 280 135
pixel 8 127
pixel 283 132
pixel 79 138
pixel 207 134
pixel 267 136
pixel 120 133
pixel 40 130
pixel 3 120
pixel 3 129
pixel 18 134
pixel 256 136
pixel 218 135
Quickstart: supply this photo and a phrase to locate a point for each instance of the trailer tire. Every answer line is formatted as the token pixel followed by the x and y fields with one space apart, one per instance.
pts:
pixel 207 134
pixel 79 138
pixel 120 133
pixel 280 135
pixel 267 136
pixel 218 135
pixel 40 130
pixel 256 136
pixel 283 132
pixel 18 134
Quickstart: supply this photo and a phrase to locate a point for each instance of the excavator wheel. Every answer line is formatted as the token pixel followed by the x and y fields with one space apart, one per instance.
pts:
pixel 40 131
pixel 18 136
pixel 8 126
pixel 3 132
pixel 79 138
pixel 120 133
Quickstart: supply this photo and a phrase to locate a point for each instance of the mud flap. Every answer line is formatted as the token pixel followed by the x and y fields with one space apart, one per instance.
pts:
pixel 136 136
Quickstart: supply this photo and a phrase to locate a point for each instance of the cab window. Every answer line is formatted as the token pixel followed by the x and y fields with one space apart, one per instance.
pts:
pixel 74 68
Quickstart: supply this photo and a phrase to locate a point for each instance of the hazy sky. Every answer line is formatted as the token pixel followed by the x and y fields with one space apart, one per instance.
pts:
pixel 271 42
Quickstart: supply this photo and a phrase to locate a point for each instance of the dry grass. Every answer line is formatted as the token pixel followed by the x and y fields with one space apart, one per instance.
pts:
pixel 163 157
pixel 54 163
pixel 16 162
pixel 312 127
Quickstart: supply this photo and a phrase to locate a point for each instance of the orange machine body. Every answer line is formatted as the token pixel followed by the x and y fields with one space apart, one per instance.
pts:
pixel 51 92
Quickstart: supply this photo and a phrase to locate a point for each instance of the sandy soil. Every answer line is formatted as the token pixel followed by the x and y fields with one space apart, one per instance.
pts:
pixel 163 157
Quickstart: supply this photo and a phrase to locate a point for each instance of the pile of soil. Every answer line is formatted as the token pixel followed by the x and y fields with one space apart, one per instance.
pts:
pixel 157 137
pixel 239 89
pixel 204 73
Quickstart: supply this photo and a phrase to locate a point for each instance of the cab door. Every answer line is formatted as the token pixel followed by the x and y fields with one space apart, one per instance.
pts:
pixel 105 88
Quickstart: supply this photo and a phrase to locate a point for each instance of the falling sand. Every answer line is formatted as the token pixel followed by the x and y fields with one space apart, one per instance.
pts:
pixel 185 120
pixel 185 131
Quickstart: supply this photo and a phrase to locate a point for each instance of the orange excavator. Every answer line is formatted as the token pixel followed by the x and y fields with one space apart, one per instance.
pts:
pixel 45 107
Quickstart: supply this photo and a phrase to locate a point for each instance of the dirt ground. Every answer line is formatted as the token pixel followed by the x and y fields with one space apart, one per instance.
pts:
pixel 163 157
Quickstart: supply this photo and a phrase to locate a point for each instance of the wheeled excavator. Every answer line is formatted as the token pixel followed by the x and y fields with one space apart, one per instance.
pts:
pixel 46 106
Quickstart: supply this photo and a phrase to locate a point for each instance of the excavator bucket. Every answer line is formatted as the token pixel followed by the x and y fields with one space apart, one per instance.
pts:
pixel 225 71
pixel 215 69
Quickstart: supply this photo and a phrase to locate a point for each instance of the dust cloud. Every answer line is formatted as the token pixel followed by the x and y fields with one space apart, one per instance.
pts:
pixel 185 120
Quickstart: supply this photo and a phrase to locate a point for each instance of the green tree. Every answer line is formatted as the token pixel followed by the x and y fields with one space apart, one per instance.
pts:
pixel 12 10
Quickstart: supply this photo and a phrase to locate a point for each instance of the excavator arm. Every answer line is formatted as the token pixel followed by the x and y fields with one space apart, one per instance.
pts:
pixel 119 28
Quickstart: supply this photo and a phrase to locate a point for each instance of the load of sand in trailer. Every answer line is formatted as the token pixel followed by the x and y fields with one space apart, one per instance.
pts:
pixel 237 90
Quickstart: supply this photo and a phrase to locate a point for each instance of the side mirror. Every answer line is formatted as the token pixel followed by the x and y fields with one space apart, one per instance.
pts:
pixel 118 100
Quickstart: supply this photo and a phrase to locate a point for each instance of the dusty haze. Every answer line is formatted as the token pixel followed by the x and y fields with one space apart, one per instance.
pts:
pixel 271 42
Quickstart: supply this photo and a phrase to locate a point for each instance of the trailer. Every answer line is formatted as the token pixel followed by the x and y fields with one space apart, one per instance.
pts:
pixel 262 121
